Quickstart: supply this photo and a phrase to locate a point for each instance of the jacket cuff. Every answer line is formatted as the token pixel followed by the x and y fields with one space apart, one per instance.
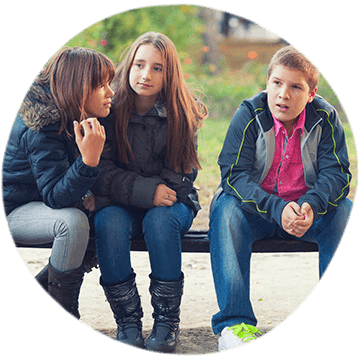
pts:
pixel 314 208
pixel 144 191
pixel 85 170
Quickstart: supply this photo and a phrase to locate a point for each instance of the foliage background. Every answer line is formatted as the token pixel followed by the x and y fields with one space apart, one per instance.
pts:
pixel 238 72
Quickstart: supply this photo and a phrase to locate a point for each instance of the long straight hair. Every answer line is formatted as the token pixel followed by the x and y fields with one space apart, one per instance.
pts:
pixel 184 113
pixel 72 74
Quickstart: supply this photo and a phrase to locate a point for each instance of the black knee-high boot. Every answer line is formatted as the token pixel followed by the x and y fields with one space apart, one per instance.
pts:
pixel 125 303
pixel 64 287
pixel 165 299
pixel 90 261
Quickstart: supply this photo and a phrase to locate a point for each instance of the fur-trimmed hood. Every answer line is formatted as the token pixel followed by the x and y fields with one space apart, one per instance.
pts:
pixel 38 108
pixel 160 107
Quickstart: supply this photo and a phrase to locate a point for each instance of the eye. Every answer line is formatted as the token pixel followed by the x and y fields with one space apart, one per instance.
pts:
pixel 158 68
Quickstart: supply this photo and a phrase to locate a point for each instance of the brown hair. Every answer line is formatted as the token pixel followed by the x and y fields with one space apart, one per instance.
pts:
pixel 184 112
pixel 293 59
pixel 72 74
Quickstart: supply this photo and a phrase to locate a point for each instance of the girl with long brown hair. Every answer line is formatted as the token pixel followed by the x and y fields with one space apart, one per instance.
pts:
pixel 146 187
pixel 51 161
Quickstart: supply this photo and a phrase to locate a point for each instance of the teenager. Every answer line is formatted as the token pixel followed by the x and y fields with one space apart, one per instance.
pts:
pixel 146 187
pixel 51 161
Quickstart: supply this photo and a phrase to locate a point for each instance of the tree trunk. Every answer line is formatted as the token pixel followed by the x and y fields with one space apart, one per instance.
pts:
pixel 211 56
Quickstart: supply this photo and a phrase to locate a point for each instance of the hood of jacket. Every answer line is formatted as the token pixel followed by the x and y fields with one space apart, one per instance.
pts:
pixel 38 108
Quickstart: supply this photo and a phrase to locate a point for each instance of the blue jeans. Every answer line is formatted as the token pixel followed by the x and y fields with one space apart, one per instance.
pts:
pixel 232 233
pixel 162 228
pixel 68 229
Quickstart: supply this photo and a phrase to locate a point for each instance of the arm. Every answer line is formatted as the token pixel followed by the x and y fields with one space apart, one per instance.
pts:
pixel 182 184
pixel 60 184
pixel 123 186
pixel 236 161
pixel 333 180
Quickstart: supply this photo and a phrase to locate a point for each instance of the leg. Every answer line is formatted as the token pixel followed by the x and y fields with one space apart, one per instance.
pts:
pixel 327 233
pixel 163 228
pixel 232 233
pixel 114 227
pixel 68 229
pixel 124 301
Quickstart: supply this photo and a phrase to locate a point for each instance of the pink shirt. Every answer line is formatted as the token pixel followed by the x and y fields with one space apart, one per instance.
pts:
pixel 286 175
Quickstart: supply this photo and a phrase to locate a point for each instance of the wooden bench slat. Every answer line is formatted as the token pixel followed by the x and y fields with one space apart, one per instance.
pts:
pixel 197 241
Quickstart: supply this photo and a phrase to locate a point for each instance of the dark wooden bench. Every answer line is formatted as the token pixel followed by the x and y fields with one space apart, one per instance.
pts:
pixel 197 241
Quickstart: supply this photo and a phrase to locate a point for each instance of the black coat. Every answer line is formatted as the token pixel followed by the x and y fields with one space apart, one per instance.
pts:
pixel 134 184
pixel 39 164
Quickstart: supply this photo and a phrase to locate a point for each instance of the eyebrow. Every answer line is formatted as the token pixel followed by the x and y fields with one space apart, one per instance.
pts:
pixel 144 61
pixel 292 83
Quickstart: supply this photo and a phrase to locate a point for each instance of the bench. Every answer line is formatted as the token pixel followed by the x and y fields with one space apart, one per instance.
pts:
pixel 197 241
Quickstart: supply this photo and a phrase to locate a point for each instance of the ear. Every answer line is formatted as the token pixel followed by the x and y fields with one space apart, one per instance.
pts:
pixel 312 95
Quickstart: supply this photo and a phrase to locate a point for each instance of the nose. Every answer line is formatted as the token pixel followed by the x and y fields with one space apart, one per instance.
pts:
pixel 146 73
pixel 284 93
pixel 109 92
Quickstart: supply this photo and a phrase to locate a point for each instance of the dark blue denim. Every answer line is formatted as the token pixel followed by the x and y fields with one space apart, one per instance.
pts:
pixel 162 228
pixel 232 233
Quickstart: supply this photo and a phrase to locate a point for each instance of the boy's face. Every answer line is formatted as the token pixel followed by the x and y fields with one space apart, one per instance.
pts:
pixel 288 93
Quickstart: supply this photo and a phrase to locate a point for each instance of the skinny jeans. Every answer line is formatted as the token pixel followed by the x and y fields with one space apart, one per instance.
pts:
pixel 68 229
pixel 162 228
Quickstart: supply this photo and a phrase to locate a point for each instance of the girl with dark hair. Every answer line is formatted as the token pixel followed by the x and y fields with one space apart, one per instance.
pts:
pixel 51 161
pixel 146 187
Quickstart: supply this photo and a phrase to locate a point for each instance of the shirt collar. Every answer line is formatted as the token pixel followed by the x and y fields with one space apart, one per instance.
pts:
pixel 300 124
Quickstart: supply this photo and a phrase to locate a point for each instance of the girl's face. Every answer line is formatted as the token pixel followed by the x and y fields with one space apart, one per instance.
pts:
pixel 288 93
pixel 99 102
pixel 147 72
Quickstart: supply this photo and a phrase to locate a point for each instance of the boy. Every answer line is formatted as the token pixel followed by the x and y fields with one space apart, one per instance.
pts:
pixel 285 173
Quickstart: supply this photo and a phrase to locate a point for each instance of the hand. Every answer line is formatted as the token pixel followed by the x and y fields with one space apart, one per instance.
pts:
pixel 89 202
pixel 290 214
pixel 164 196
pixel 303 225
pixel 295 220
pixel 90 139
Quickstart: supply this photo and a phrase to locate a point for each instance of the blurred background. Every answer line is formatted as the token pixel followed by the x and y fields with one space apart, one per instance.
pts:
pixel 224 58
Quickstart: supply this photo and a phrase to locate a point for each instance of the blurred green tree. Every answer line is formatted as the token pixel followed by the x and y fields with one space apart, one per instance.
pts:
pixel 113 35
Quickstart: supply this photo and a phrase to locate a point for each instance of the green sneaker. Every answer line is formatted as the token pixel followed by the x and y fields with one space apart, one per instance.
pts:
pixel 237 335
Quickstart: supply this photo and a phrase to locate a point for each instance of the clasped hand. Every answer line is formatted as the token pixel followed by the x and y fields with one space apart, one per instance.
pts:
pixel 164 196
pixel 297 220
pixel 90 139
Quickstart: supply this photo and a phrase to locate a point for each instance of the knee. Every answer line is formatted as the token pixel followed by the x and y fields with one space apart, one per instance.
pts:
pixel 343 211
pixel 157 219
pixel 346 205
pixel 226 212
pixel 160 216
pixel 72 220
pixel 111 217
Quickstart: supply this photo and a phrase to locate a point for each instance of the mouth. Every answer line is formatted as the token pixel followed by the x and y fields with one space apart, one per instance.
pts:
pixel 145 85
pixel 282 107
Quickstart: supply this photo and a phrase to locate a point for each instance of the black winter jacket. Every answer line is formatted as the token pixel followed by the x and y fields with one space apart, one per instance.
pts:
pixel 134 184
pixel 39 164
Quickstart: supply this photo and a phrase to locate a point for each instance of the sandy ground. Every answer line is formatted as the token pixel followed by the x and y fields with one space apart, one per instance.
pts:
pixel 279 284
